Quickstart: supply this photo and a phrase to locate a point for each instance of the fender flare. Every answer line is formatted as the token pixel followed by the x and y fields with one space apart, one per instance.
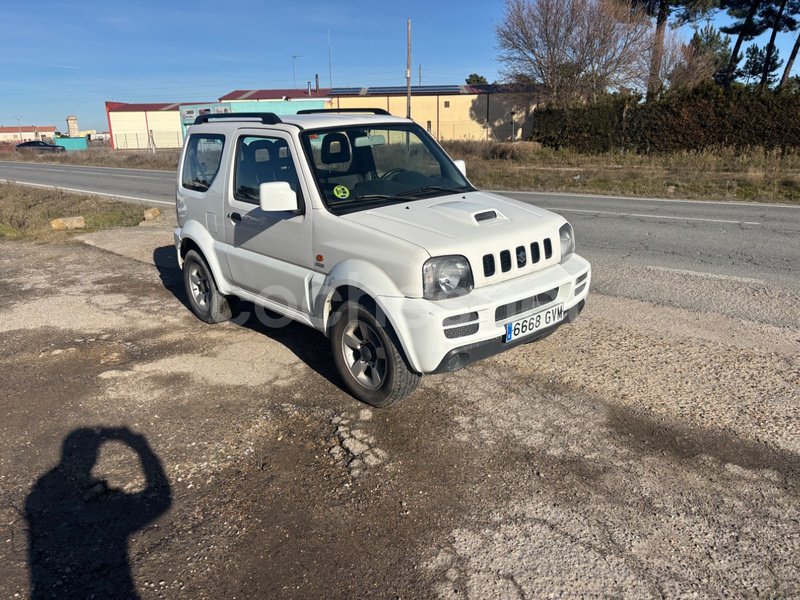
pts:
pixel 199 236
pixel 365 277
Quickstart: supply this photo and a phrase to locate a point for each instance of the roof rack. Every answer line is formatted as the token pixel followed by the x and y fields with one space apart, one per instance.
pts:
pixel 265 118
pixel 316 111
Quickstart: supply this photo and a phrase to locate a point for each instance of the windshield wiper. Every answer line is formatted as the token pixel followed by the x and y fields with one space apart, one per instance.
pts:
pixel 374 197
pixel 427 189
pixel 365 199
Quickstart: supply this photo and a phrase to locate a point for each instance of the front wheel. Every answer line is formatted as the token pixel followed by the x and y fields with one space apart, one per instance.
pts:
pixel 368 358
pixel 204 297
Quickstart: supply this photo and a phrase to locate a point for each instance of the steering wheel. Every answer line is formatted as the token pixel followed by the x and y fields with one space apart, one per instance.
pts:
pixel 392 172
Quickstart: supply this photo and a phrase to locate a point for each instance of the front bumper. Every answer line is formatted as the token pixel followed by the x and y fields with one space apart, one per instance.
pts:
pixel 460 357
pixel 447 335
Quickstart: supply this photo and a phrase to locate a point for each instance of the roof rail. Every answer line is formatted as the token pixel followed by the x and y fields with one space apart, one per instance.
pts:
pixel 315 111
pixel 265 118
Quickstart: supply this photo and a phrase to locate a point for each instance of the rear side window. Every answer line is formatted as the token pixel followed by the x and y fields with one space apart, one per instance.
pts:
pixel 202 160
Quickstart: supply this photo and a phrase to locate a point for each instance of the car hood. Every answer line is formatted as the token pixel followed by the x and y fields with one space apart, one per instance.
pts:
pixel 473 224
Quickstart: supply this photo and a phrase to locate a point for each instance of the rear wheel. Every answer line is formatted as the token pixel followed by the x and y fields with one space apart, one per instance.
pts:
pixel 204 297
pixel 368 358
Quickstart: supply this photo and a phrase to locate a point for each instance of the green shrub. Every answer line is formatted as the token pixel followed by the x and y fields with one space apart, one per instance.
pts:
pixel 703 118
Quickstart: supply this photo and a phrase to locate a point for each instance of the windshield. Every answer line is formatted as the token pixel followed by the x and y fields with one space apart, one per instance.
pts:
pixel 361 167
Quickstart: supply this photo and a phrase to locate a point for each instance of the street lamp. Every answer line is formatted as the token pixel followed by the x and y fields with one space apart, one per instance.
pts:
pixel 19 118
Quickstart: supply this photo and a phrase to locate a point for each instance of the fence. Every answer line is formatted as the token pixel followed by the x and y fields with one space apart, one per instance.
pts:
pixel 142 141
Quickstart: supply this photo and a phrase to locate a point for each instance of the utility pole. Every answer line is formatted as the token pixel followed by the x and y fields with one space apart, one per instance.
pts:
pixel 420 76
pixel 19 118
pixel 408 74
pixel 330 70
pixel 294 79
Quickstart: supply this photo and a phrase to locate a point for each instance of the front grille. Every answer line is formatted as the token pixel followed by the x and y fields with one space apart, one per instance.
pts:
pixel 580 284
pixel 463 331
pixel 536 254
pixel 488 265
pixel 520 306
pixel 459 319
pixel 464 325
pixel 520 257
pixel 505 261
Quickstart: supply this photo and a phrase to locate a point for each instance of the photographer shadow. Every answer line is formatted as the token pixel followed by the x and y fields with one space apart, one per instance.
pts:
pixel 79 527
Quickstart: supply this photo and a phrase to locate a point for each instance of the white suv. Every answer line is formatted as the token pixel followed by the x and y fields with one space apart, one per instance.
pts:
pixel 358 224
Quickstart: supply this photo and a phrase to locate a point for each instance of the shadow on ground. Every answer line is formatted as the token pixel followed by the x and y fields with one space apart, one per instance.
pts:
pixel 308 345
pixel 79 527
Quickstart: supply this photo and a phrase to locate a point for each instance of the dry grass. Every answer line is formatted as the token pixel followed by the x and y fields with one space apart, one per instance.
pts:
pixel 719 174
pixel 26 212
pixel 163 160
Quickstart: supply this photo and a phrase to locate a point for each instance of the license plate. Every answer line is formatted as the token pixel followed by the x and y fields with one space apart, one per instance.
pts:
pixel 534 323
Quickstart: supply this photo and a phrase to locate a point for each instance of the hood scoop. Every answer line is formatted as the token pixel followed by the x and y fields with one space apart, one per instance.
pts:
pixel 486 216
pixel 468 213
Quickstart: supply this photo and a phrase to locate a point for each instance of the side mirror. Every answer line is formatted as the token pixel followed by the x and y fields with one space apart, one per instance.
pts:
pixel 277 196
pixel 462 166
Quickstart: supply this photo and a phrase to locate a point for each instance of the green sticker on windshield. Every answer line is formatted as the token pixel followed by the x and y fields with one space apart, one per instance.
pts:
pixel 341 192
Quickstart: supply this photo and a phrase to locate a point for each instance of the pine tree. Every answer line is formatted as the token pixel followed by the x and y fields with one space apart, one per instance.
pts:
pixel 755 65
pixel 711 41
pixel 745 28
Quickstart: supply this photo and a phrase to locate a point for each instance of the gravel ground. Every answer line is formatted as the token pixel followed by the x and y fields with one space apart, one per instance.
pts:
pixel 645 451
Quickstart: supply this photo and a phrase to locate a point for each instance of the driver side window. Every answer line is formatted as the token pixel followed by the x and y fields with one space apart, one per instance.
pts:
pixel 261 160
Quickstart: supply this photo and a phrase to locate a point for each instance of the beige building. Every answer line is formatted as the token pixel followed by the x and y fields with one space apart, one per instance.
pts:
pixel 462 112
pixel 144 126
pixel 27 133
pixel 453 112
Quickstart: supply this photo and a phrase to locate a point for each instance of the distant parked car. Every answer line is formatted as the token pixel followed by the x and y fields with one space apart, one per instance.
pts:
pixel 39 146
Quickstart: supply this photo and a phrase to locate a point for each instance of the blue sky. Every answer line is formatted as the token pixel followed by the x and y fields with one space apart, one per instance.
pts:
pixel 67 57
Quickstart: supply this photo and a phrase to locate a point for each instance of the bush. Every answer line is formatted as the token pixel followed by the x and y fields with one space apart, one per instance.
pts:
pixel 703 118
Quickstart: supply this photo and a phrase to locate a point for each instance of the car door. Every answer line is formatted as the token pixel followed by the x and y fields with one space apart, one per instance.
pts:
pixel 268 252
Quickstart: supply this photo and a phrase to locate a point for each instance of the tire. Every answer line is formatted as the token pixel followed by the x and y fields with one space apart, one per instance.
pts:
pixel 204 298
pixel 368 358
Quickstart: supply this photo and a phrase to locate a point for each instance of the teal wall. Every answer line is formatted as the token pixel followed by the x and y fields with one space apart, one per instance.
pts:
pixel 72 143
pixel 279 107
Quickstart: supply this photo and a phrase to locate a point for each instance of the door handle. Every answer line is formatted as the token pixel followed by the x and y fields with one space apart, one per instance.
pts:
pixel 236 217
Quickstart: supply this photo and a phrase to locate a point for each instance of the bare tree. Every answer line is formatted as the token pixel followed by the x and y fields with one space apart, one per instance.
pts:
pixel 684 65
pixel 572 49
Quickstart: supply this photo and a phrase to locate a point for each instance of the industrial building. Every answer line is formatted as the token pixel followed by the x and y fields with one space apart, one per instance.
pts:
pixel 468 112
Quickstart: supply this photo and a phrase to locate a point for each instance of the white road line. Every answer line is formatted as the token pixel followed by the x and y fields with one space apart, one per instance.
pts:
pixel 35 166
pixel 639 216
pixel 90 192
pixel 82 172
pixel 707 275
pixel 635 198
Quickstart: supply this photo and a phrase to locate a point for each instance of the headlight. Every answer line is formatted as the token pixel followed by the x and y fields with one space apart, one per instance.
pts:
pixel 567 241
pixel 446 277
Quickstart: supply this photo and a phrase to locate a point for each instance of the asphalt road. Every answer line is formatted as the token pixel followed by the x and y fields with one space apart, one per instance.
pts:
pixel 131 184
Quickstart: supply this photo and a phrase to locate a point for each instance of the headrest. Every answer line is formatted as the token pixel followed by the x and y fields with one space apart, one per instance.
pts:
pixel 335 149
pixel 261 150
